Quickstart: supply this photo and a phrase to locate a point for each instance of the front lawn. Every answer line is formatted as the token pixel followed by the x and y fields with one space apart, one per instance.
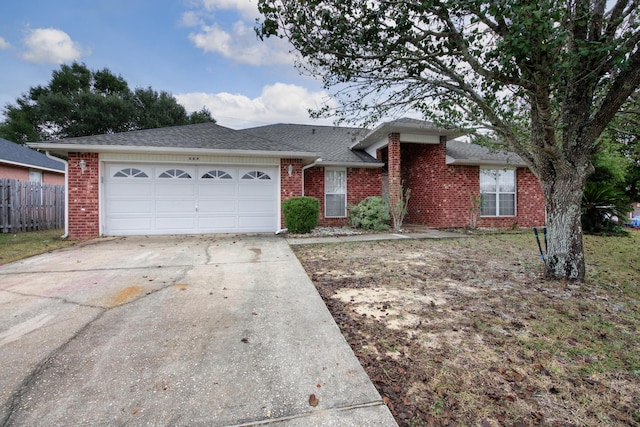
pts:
pixel 14 247
pixel 467 332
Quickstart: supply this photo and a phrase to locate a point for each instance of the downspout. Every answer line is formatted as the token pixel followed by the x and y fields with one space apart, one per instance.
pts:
pixel 66 192
pixel 304 168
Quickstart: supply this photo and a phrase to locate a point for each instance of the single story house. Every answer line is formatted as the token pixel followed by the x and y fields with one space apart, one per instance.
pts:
pixel 22 163
pixel 206 178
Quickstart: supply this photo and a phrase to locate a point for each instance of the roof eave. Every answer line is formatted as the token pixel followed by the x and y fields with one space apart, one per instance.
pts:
pixel 392 127
pixel 480 162
pixel 363 165
pixel 65 149
pixel 30 166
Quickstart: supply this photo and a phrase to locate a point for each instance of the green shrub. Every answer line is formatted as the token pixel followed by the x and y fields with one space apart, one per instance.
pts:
pixel 372 214
pixel 301 214
pixel 604 208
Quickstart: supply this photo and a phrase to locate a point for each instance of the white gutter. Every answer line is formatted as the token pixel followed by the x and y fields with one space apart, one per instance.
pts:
pixel 304 168
pixel 90 148
pixel 66 192
pixel 31 166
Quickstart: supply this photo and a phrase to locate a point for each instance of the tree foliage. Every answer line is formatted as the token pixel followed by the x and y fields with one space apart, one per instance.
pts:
pixel 543 77
pixel 80 102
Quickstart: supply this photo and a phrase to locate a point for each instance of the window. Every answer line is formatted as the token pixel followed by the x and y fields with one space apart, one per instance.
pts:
pixel 130 173
pixel 216 174
pixel 174 173
pixel 256 175
pixel 35 176
pixel 335 193
pixel 498 191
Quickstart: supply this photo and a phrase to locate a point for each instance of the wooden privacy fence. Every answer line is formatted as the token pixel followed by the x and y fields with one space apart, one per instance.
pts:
pixel 29 206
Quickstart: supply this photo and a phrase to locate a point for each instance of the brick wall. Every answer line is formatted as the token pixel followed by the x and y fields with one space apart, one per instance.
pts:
pixel 84 216
pixel 290 185
pixel 361 183
pixel 441 194
pixel 530 204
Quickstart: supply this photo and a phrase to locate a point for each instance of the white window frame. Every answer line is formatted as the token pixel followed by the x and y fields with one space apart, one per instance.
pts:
pixel 330 190
pixel 499 191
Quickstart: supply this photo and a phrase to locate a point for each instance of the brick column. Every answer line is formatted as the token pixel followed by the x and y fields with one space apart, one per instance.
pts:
pixel 84 189
pixel 395 170
pixel 290 185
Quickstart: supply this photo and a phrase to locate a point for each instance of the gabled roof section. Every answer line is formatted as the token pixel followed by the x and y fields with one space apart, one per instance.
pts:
pixel 202 137
pixel 463 153
pixel 412 129
pixel 20 155
pixel 331 142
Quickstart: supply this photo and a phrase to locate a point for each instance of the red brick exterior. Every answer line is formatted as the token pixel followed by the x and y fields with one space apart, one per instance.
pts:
pixel 290 185
pixel 84 215
pixel 441 194
pixel 361 183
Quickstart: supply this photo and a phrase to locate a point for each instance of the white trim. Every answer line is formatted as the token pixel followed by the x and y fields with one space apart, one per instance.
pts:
pixel 515 193
pixel 88 148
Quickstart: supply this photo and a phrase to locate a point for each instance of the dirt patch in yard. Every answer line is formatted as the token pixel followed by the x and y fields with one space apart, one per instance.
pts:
pixel 466 332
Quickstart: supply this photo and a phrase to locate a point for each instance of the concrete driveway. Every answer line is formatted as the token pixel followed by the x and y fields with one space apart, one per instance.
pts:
pixel 216 330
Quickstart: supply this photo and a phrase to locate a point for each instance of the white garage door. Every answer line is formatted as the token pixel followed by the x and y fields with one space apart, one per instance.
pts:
pixel 176 199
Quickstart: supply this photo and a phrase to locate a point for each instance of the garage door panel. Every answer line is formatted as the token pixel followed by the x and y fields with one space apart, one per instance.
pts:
pixel 255 206
pixel 175 206
pixel 253 190
pixel 206 206
pixel 131 207
pixel 178 223
pixel 218 222
pixel 255 222
pixel 130 189
pixel 217 190
pixel 166 198
pixel 132 224
pixel 175 190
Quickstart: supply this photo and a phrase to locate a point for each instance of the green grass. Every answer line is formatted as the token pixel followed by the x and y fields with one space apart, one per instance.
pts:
pixel 14 247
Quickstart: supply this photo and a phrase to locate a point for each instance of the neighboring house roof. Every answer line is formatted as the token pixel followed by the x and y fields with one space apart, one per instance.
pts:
pixel 463 153
pixel 331 142
pixel 322 145
pixel 20 155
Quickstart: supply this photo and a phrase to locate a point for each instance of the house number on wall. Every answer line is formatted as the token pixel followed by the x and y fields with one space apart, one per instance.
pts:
pixel 194 158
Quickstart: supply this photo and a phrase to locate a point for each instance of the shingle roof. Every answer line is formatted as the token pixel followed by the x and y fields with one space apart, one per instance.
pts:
pixel 20 154
pixel 202 135
pixel 331 142
pixel 464 153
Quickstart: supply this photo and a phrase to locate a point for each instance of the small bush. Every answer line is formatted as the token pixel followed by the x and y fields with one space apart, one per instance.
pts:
pixel 371 214
pixel 301 214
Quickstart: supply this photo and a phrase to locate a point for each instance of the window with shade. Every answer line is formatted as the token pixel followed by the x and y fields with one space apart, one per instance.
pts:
pixel 335 193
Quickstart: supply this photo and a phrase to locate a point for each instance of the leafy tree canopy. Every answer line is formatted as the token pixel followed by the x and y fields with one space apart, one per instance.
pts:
pixel 80 102
pixel 544 77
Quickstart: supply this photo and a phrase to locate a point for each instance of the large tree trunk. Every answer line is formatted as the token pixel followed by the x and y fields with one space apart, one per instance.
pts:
pixel 565 254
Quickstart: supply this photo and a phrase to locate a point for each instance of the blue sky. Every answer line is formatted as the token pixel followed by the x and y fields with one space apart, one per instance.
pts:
pixel 204 52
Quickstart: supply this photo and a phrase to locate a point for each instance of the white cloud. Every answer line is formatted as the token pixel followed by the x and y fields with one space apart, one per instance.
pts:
pixel 247 8
pixel 4 44
pixel 278 103
pixel 237 39
pixel 241 45
pixel 50 46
